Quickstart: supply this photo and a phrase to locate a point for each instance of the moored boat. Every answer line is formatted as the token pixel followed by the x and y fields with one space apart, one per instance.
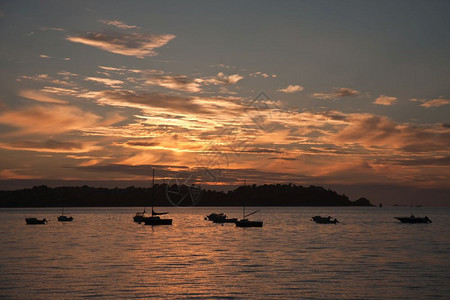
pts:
pixel 31 221
pixel 220 218
pixel 154 219
pixel 248 223
pixel 324 220
pixel 413 219
pixel 65 219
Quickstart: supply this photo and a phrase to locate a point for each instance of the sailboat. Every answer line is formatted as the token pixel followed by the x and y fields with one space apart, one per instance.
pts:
pixel 154 219
pixel 63 218
pixel 244 222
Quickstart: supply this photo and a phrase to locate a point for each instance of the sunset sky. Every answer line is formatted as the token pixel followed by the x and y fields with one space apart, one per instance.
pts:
pixel 349 95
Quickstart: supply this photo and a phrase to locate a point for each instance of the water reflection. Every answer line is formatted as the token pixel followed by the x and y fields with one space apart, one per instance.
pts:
pixel 103 253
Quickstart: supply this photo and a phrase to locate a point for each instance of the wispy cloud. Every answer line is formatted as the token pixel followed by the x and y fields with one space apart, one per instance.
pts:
pixel 337 93
pixel 106 81
pixel 175 82
pixel 385 100
pixel 378 131
pixel 118 24
pixel 435 103
pixel 52 119
pixel 40 97
pixel 51 146
pixel 291 89
pixel 51 28
pixel 131 44
pixel 222 79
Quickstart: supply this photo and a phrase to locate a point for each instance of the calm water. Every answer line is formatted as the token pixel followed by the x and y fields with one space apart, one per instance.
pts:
pixel 103 253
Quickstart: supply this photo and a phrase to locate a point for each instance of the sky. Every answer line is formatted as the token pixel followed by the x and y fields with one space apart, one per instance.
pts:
pixel 348 95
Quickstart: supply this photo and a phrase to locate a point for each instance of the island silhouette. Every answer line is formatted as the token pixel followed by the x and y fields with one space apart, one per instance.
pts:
pixel 253 195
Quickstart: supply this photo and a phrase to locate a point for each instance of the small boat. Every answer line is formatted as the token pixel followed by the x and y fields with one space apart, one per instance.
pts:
pixel 140 217
pixel 215 216
pixel 220 218
pixel 324 220
pixel 154 219
pixel 413 219
pixel 63 218
pixel 35 221
pixel 244 222
pixel 248 223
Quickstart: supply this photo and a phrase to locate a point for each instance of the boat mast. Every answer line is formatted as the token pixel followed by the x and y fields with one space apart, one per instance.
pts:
pixel 243 206
pixel 153 190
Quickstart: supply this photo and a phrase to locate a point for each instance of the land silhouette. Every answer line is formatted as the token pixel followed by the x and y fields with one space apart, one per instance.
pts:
pixel 252 195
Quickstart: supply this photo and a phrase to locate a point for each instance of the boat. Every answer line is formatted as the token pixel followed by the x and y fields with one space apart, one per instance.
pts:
pixel 31 221
pixel 140 216
pixel 220 218
pixel 244 222
pixel 413 219
pixel 155 218
pixel 324 220
pixel 63 218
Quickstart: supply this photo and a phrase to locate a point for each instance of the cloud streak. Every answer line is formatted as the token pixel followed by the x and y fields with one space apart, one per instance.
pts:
pixel 291 89
pixel 337 93
pixel 385 100
pixel 130 44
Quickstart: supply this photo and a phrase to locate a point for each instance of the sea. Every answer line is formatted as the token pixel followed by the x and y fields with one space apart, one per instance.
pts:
pixel 103 254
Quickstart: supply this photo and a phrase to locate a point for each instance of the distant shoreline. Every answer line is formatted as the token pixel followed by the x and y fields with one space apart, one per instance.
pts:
pixel 164 195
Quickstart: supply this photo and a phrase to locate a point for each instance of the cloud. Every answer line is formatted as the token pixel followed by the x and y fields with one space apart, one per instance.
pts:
pixel 40 97
pixel 51 28
pixel 44 56
pixel 175 82
pixel 291 89
pixel 220 79
pixel 118 24
pixel 106 81
pixel 435 103
pixel 385 100
pixel 373 131
pixel 148 100
pixel 131 44
pixel 337 93
pixel 50 146
pixel 52 119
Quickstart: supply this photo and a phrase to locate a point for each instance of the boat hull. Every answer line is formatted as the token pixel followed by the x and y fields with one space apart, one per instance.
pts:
pixel 243 223
pixel 34 221
pixel 157 221
pixel 234 220
pixel 65 219
pixel 413 220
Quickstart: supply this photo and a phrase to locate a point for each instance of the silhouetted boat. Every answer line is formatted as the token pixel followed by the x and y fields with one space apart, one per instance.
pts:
pixel 413 219
pixel 154 219
pixel 324 220
pixel 63 218
pixel 140 216
pixel 35 221
pixel 244 222
pixel 220 218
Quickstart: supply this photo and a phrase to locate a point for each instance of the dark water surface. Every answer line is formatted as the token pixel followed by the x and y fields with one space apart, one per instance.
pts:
pixel 103 253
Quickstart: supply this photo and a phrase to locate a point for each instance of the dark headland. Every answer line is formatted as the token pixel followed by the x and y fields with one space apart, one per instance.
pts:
pixel 252 195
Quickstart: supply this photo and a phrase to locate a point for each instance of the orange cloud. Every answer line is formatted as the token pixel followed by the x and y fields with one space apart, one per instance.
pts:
pixel 118 24
pixel 291 89
pixel 50 119
pixel 130 44
pixel 337 93
pixel 40 97
pixel 175 82
pixel 106 81
pixel 51 146
pixel 435 103
pixel 385 100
